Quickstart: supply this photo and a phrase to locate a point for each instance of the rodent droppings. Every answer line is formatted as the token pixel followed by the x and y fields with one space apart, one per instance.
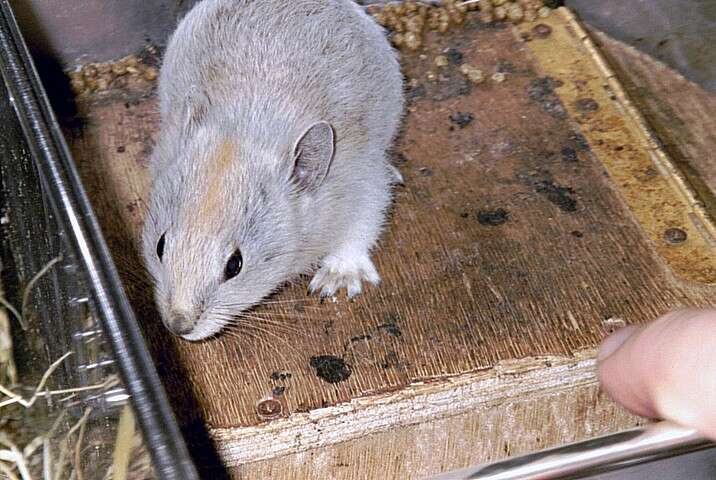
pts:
pixel 276 376
pixel 99 77
pixel 587 105
pixel 544 12
pixel 577 141
pixel 454 56
pixel 407 21
pixel 515 13
pixel 473 74
pixel 498 77
pixel 390 328
pixel 569 154
pixel 441 61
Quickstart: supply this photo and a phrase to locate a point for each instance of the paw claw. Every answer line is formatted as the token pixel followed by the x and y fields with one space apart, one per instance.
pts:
pixel 342 272
pixel 327 293
pixel 354 288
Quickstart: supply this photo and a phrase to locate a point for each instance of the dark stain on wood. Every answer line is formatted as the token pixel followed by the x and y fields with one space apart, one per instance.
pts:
pixel 541 90
pixel 391 329
pixel 461 119
pixel 492 218
pixel 330 368
pixel 569 154
pixel 560 196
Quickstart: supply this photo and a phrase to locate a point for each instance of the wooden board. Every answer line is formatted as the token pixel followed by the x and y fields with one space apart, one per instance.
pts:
pixel 515 426
pixel 461 297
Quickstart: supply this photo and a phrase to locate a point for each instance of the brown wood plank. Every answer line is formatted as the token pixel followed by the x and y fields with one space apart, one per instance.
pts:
pixel 458 296
pixel 514 427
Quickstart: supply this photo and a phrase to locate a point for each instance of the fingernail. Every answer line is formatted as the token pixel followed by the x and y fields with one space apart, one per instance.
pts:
pixel 612 343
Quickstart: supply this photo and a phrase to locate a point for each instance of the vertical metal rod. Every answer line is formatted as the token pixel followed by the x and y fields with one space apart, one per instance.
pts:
pixel 72 209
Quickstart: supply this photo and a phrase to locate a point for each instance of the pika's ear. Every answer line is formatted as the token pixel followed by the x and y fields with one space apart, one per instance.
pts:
pixel 313 153
pixel 196 104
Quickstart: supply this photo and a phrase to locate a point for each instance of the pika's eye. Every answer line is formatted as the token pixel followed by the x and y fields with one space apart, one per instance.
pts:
pixel 160 246
pixel 233 266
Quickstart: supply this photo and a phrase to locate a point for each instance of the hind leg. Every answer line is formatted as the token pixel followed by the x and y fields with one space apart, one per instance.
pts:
pixel 349 265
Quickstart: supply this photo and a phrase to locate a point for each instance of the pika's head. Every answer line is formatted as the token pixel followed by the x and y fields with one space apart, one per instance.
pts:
pixel 222 232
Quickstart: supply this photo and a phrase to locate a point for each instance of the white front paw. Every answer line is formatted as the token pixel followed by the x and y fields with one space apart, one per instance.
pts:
pixel 337 272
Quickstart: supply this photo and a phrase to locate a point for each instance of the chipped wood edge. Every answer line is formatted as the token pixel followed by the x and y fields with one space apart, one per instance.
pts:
pixel 420 402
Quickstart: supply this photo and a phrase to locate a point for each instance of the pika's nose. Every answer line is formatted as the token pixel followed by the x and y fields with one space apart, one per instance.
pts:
pixel 179 323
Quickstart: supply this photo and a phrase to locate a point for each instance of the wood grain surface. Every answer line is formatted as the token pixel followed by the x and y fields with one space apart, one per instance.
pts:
pixel 508 243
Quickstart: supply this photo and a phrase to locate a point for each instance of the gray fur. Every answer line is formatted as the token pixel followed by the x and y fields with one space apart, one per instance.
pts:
pixel 256 75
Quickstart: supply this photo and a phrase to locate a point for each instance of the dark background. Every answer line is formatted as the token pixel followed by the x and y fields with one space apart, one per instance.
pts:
pixel 678 32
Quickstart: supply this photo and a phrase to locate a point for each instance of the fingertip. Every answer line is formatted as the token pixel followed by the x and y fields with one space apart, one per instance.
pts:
pixel 612 343
pixel 623 368
pixel 664 369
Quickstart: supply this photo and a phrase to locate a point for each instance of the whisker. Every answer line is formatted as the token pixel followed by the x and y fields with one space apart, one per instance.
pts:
pixel 263 343
pixel 254 326
pixel 282 301
pixel 274 328
pixel 272 317
pixel 277 317
pixel 251 321
pixel 273 335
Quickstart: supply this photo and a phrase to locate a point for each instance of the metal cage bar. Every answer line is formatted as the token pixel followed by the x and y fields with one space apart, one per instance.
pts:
pixel 71 209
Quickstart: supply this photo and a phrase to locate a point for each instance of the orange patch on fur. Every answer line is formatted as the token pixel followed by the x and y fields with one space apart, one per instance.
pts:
pixel 217 168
